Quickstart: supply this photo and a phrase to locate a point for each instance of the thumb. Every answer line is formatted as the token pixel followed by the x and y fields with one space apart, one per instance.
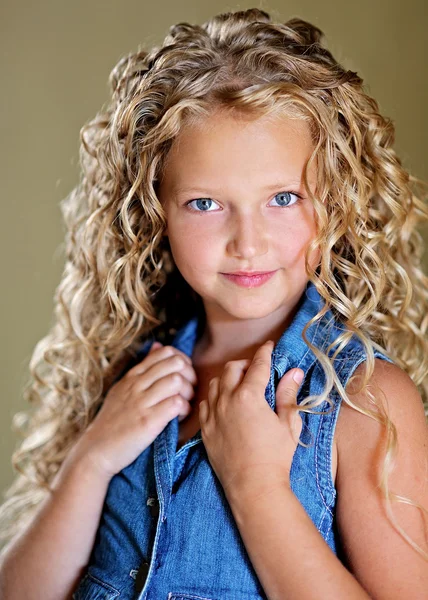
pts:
pixel 155 346
pixel 286 394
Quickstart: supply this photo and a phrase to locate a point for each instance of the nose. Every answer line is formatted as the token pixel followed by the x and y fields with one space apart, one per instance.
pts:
pixel 248 236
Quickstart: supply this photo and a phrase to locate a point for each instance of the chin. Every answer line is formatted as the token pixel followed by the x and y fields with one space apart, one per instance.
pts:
pixel 247 309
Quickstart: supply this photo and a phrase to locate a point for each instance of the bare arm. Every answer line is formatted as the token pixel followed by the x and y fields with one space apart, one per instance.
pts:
pixel 59 540
pixel 290 556
pixel 287 551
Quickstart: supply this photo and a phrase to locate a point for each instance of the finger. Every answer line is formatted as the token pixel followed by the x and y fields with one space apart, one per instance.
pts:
pixel 172 364
pixel 143 378
pixel 157 353
pixel 232 375
pixel 288 386
pixel 258 373
pixel 169 349
pixel 164 387
pixel 204 410
pixel 213 393
pixel 286 395
pixel 206 407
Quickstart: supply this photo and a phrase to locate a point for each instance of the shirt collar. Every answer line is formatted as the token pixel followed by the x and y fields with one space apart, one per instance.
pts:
pixel 291 350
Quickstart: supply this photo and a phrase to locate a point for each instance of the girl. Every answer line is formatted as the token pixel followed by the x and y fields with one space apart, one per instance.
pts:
pixel 235 391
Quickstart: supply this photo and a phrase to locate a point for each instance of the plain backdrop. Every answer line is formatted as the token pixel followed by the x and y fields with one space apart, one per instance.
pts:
pixel 56 58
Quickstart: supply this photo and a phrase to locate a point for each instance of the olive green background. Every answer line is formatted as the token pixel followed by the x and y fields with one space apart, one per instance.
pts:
pixel 56 57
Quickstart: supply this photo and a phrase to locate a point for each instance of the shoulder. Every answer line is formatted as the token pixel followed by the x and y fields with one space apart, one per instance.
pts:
pixel 364 528
pixel 392 386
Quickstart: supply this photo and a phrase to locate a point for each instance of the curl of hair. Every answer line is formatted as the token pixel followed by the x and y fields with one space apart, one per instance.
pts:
pixel 120 283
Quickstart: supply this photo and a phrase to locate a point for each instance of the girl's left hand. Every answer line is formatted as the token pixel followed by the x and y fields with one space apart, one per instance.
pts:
pixel 248 444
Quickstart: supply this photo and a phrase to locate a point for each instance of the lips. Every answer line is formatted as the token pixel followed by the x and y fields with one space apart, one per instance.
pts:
pixel 248 273
pixel 249 279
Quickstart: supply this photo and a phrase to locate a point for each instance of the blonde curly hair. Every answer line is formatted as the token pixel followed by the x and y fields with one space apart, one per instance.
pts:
pixel 120 283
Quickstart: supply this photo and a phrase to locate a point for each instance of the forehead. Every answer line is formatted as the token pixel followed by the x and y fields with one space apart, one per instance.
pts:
pixel 275 125
pixel 223 143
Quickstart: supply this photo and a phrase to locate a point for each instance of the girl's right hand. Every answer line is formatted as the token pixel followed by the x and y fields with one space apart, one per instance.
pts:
pixel 137 408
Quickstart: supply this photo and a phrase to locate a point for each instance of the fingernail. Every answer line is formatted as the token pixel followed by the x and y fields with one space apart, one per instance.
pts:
pixel 298 376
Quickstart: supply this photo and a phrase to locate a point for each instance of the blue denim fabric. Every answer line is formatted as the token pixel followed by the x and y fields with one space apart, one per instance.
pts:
pixel 167 531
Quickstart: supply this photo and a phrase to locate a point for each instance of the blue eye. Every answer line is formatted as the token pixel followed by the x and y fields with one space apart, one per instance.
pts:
pixel 285 198
pixel 204 204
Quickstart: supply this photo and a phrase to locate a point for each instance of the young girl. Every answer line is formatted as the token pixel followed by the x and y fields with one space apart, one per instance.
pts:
pixel 234 393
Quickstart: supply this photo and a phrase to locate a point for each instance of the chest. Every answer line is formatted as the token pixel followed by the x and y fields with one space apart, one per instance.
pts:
pixel 189 426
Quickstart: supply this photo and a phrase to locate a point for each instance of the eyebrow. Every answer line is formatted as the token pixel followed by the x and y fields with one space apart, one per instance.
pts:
pixel 272 186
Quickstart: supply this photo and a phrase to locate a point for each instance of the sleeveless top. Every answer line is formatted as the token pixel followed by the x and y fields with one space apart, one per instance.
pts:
pixel 167 531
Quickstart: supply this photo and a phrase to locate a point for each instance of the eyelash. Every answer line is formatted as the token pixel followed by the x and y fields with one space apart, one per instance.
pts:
pixel 298 200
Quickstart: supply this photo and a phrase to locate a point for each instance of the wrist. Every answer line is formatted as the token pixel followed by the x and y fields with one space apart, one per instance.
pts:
pixel 250 490
pixel 82 465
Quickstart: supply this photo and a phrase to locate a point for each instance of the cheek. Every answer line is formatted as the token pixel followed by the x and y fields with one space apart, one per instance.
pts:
pixel 192 247
pixel 294 234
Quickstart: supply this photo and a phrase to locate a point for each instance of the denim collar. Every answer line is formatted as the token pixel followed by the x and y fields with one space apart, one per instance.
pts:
pixel 290 350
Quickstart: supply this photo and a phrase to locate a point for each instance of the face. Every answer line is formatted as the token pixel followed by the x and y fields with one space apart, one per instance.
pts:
pixel 235 200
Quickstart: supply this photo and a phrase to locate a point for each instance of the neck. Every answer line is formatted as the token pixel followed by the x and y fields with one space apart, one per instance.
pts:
pixel 225 338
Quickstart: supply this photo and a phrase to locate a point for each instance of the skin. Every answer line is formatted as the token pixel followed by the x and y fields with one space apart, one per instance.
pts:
pixel 249 446
pixel 219 159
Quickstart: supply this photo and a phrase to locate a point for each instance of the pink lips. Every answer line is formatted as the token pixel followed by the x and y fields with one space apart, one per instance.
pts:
pixel 249 281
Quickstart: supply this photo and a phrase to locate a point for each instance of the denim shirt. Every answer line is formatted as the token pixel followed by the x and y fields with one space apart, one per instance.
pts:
pixel 167 531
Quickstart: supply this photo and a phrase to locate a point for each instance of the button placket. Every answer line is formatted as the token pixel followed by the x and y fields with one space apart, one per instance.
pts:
pixel 140 575
pixel 153 504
